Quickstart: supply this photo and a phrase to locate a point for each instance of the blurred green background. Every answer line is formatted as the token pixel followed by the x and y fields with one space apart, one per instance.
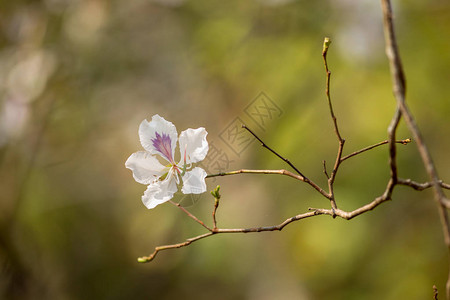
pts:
pixel 77 78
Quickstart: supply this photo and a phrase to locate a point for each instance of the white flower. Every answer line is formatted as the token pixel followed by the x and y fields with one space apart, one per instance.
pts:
pixel 159 137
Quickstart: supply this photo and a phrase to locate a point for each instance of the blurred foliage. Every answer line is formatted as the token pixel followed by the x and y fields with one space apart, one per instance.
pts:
pixel 78 76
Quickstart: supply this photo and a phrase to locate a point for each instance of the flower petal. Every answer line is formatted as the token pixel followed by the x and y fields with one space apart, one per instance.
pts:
pixel 193 143
pixel 146 168
pixel 159 137
pixel 159 192
pixel 194 181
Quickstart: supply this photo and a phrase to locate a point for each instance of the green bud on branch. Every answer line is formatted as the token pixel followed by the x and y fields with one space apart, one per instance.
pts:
pixel 326 44
pixel 215 192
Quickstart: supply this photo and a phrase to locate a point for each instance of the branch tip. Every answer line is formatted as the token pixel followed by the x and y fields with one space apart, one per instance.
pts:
pixel 215 193
pixel 144 259
pixel 326 45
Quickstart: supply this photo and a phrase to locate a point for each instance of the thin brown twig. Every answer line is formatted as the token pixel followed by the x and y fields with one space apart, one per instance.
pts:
pixel 336 164
pixel 190 215
pixel 276 172
pixel 274 152
pixel 216 205
pixel 145 259
pixel 278 227
pixel 403 142
pixel 325 169
pixel 247 171
pixel 326 45
pixel 392 130
pixel 305 179
pixel 421 186
pixel 341 141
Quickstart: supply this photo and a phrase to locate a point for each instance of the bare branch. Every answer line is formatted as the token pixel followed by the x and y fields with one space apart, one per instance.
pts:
pixel 278 227
pixel 274 152
pixel 332 177
pixel 399 88
pixel 269 228
pixel 216 205
pixel 276 172
pixel 246 171
pixel 326 45
pixel 145 259
pixel 392 129
pixel 305 179
pixel 191 215
pixel 421 186
pixel 403 142
pixel 325 169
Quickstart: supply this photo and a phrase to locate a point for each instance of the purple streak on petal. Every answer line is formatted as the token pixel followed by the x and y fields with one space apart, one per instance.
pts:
pixel 163 144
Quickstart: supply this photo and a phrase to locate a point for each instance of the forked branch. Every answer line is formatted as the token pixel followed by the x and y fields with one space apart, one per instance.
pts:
pixel 399 89
pixel 402 110
pixel 334 211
